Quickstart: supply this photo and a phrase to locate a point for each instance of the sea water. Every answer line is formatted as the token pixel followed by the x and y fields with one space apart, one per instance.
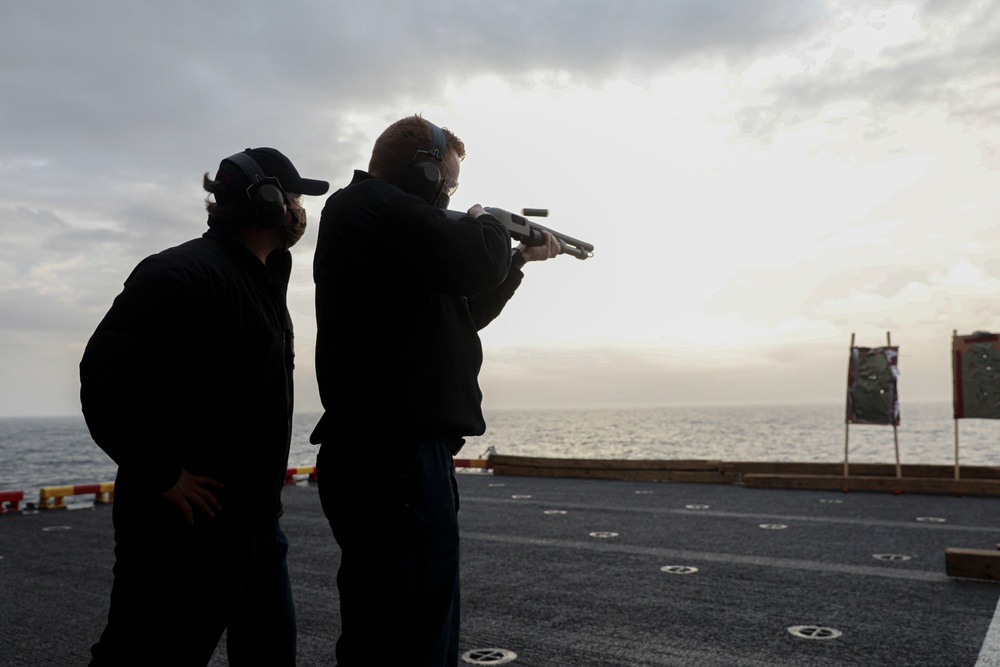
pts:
pixel 51 451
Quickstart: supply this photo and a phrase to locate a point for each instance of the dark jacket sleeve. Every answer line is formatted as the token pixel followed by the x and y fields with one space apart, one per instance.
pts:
pixel 125 385
pixel 462 257
pixel 487 306
pixel 470 257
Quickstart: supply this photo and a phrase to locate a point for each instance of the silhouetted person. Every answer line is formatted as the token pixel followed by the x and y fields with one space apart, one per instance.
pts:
pixel 401 293
pixel 187 385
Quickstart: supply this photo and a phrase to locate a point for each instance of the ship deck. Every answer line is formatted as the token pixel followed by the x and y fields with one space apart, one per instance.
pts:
pixel 609 573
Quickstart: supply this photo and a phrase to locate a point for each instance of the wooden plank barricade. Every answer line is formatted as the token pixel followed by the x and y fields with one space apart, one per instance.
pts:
pixel 624 469
pixel 482 464
pixel 976 480
pixel 53 497
pixel 936 479
pixel 972 563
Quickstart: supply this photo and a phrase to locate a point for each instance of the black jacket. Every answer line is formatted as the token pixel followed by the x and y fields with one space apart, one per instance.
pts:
pixel 401 292
pixel 192 368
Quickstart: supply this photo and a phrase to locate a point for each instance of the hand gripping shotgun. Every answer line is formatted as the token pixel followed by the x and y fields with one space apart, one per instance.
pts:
pixel 529 232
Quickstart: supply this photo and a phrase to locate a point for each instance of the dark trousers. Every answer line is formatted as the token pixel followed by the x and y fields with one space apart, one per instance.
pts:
pixel 178 587
pixel 397 526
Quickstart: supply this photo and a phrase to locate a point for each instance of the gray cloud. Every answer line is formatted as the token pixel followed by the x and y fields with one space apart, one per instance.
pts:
pixel 122 77
pixel 125 100
pixel 956 69
pixel 111 112
pixel 765 296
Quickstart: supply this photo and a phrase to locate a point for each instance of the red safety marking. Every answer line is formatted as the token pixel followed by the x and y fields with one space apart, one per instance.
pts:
pixel 10 501
pixel 301 470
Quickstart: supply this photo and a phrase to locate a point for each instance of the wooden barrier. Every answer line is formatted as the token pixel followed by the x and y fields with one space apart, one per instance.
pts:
pixel 484 464
pixel 53 497
pixel 972 563
pixel 972 487
pixel 10 501
pixel 976 480
pixel 709 471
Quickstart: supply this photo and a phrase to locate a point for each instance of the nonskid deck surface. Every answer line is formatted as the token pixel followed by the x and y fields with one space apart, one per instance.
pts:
pixel 571 572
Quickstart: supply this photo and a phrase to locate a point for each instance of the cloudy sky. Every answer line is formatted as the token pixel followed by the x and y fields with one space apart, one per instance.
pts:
pixel 760 179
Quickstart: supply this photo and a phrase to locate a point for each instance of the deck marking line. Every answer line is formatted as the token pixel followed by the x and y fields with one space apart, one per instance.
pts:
pixel 681 555
pixel 771 518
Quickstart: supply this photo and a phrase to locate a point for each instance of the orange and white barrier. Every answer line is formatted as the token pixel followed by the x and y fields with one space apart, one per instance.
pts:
pixel 10 501
pixel 53 497
pixel 301 470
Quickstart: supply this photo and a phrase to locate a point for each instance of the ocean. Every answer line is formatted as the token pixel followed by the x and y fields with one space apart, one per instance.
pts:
pixel 51 451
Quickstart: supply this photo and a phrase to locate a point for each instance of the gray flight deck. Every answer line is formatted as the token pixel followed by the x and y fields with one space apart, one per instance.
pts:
pixel 570 572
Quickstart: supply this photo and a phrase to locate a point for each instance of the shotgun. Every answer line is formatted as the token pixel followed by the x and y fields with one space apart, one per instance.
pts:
pixel 529 232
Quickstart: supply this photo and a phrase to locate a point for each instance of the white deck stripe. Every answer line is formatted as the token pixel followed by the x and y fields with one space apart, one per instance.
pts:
pixel 989 655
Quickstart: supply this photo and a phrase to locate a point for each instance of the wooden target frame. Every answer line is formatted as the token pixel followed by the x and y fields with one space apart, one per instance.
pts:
pixel 975 364
pixel 872 393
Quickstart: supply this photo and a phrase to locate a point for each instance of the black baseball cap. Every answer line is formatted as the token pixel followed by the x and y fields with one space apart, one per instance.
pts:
pixel 238 174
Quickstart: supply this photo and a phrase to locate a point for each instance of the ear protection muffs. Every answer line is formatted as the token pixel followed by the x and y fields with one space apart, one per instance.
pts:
pixel 265 192
pixel 422 177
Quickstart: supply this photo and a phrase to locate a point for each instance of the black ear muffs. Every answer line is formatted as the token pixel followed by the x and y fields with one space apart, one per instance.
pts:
pixel 423 177
pixel 265 192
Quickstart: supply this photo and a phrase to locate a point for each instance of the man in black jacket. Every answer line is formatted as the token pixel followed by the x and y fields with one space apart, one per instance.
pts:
pixel 401 293
pixel 187 385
